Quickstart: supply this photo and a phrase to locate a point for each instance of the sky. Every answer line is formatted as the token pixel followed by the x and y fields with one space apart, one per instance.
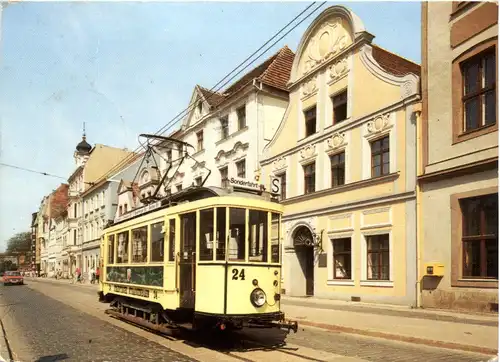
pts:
pixel 126 68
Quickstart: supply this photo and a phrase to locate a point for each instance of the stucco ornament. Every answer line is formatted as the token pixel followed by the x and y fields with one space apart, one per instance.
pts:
pixel 329 40
pixel 310 87
pixel 339 69
pixel 308 151
pixel 279 163
pixel 379 123
pixel 337 140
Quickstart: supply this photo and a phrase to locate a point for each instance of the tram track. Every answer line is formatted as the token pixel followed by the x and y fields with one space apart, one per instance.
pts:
pixel 231 344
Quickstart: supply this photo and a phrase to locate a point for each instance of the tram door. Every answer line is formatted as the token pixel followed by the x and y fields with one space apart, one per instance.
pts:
pixel 187 260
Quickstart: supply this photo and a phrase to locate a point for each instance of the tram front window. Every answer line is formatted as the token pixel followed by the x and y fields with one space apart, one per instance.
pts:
pixel 258 238
pixel 206 234
pixel 237 228
pixel 221 234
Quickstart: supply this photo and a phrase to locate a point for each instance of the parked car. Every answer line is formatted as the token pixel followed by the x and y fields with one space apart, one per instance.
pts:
pixel 12 277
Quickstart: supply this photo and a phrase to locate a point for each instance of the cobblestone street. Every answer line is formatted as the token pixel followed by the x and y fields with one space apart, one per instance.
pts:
pixel 71 325
pixel 39 328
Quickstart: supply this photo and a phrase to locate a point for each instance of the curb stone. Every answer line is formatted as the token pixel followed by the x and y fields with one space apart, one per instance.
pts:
pixel 408 339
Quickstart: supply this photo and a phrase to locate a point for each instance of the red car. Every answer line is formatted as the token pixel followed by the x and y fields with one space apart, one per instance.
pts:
pixel 12 277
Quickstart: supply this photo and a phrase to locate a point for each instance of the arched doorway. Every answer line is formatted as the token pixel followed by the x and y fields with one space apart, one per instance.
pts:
pixel 303 243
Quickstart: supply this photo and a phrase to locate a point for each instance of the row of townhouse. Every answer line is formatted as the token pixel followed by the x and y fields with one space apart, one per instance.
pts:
pixel 69 222
pixel 388 168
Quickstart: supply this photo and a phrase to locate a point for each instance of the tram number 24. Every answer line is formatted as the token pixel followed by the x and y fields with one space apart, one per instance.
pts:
pixel 238 274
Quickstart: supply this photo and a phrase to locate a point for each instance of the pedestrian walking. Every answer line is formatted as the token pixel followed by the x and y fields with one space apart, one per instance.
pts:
pixel 97 272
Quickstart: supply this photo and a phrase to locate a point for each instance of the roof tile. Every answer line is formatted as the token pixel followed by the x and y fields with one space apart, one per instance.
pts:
pixel 393 63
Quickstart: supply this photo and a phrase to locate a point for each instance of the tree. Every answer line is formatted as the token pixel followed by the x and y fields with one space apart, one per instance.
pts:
pixel 21 242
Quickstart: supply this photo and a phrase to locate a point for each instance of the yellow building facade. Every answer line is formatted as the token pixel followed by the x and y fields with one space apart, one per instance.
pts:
pixel 345 153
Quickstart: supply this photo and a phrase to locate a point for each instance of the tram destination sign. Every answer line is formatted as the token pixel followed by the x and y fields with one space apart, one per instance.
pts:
pixel 241 183
pixel 139 211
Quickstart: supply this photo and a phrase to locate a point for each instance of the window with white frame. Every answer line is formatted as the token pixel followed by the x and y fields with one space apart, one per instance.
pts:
pixel 380 152
pixel 242 118
pixel 342 258
pixel 241 169
pixel 378 257
pixel 224 124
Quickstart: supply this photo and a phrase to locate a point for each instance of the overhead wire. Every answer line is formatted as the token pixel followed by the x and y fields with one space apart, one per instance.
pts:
pixel 128 159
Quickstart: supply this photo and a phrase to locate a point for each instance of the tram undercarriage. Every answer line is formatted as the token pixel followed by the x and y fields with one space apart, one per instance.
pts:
pixel 153 316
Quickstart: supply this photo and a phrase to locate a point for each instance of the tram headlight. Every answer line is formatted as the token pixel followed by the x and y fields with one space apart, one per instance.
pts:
pixel 258 297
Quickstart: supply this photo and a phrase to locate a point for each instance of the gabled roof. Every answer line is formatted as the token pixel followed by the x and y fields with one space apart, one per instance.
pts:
pixel 274 72
pixel 394 63
pixel 59 202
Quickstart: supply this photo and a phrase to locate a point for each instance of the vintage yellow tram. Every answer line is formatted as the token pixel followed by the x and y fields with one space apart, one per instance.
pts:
pixel 203 257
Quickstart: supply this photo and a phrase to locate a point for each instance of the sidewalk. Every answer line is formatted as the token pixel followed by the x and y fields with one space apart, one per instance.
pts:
pixel 445 329
pixel 468 332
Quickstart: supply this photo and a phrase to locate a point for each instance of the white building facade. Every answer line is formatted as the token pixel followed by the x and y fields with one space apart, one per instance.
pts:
pixel 229 130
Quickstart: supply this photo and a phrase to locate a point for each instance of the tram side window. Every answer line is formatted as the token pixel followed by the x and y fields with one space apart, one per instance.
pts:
pixel 258 238
pixel 157 243
pixel 111 249
pixel 122 252
pixel 221 234
pixel 206 234
pixel 275 237
pixel 171 240
pixel 140 244
pixel 236 234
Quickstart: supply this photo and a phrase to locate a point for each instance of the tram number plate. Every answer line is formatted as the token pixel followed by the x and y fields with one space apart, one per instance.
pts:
pixel 238 274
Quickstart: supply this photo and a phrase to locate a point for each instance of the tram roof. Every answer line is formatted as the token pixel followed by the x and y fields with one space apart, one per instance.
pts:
pixel 191 194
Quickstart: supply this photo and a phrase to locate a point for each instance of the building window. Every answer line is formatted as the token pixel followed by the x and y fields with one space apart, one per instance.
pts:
pixel 125 208
pixel 198 181
pixel 199 107
pixel 310 119
pixel 282 185
pixel 480 236
pixel 74 211
pixel 478 91
pixel 169 155
pixel 337 164
pixel 241 169
pixel 224 124
pixel 179 187
pixel 74 237
pixel 377 247
pixel 339 103
pixel 223 176
pixel 342 258
pixel 242 117
pixel 199 137
pixel 309 178
pixel 380 157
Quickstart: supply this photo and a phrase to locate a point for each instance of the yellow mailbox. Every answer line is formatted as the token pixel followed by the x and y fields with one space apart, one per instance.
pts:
pixel 434 269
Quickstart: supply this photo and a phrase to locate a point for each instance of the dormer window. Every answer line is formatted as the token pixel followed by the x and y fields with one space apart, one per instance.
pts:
pixel 310 121
pixel 125 208
pixel 120 210
pixel 224 125
pixel 169 155
pixel 339 103
pixel 242 117
pixel 198 181
pixel 200 107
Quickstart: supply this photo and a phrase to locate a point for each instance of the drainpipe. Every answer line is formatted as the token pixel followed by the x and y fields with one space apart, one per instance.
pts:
pixel 419 226
pixel 259 89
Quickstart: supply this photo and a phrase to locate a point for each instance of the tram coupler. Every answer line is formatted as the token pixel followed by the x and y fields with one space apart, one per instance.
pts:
pixel 289 326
